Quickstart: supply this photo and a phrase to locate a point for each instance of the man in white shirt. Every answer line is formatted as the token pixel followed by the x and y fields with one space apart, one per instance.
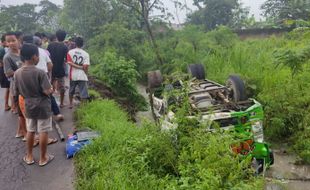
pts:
pixel 46 65
pixel 78 59
pixel 45 62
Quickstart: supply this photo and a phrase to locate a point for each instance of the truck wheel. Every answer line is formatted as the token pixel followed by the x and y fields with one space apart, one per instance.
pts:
pixel 154 79
pixel 237 88
pixel 197 71
pixel 258 166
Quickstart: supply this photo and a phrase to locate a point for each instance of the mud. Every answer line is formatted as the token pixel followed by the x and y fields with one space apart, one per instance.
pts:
pixel 143 115
pixel 286 175
pixel 107 93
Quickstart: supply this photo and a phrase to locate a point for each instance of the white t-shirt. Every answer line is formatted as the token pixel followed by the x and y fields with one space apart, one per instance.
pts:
pixel 79 57
pixel 43 60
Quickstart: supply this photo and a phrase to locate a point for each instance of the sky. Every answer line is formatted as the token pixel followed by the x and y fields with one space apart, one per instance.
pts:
pixel 253 4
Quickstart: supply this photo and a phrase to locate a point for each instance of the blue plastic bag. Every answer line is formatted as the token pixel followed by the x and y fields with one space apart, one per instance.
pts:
pixel 73 146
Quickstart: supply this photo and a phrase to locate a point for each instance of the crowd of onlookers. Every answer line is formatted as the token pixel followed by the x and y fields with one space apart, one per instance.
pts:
pixel 33 69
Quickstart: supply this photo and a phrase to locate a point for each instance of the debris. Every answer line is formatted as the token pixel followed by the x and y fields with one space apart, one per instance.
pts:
pixel 79 140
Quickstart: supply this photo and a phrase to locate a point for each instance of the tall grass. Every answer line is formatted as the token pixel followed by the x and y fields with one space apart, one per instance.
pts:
pixel 130 157
pixel 275 69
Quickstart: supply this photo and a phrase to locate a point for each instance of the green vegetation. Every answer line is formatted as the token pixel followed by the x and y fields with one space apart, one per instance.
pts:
pixel 93 94
pixel 212 13
pixel 125 42
pixel 121 76
pixel 275 70
pixel 130 157
pixel 30 17
pixel 279 10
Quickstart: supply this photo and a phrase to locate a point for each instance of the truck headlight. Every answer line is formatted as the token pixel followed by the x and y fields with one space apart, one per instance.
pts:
pixel 258 132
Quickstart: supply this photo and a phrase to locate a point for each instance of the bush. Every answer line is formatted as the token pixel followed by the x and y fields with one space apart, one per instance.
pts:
pixel 129 43
pixel 130 157
pixel 93 94
pixel 121 76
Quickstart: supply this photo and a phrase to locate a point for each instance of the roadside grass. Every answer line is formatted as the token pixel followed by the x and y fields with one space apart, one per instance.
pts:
pixel 131 157
pixel 103 164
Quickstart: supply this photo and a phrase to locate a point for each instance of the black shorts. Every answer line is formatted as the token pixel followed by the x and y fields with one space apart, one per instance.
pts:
pixel 4 82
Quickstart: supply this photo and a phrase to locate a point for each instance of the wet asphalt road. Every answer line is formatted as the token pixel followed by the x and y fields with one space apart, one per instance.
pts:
pixel 16 175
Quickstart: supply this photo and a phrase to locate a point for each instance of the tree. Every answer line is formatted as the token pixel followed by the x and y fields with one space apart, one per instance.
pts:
pixel 19 17
pixel 117 38
pixel 85 17
pixel 281 10
pixel 29 18
pixel 48 16
pixel 212 13
pixel 144 8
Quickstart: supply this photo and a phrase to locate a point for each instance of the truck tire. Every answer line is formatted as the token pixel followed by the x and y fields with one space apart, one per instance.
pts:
pixel 154 79
pixel 197 71
pixel 237 88
pixel 261 163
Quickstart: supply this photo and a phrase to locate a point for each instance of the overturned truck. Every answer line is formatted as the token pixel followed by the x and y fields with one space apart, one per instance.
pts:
pixel 224 106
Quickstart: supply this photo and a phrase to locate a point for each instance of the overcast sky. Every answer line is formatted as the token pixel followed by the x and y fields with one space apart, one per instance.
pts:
pixel 253 4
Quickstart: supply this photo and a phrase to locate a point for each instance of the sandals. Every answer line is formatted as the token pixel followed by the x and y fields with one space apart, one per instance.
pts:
pixel 7 108
pixel 49 159
pixel 59 117
pixel 19 136
pixel 30 162
pixel 52 141
pixel 35 143
pixel 27 161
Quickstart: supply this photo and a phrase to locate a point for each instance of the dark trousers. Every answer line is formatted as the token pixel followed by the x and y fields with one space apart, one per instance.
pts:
pixel 55 108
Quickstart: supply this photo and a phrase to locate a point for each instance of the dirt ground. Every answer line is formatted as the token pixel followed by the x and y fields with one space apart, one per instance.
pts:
pixel 286 175
pixel 15 174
